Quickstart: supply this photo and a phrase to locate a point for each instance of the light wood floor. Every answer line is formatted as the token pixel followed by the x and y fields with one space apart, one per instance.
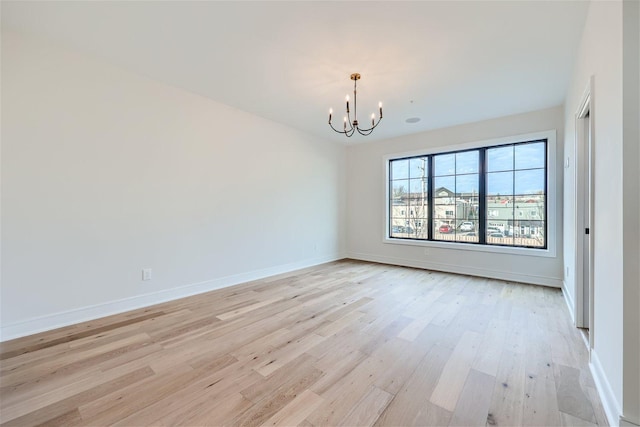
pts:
pixel 345 343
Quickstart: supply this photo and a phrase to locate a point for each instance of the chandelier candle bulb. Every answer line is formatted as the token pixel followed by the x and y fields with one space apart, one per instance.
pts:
pixel 380 107
pixel 330 113
pixel 347 98
pixel 373 122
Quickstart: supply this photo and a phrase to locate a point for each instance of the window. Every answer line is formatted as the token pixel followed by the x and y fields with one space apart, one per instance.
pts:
pixel 493 195
pixel 456 175
pixel 516 186
pixel 409 191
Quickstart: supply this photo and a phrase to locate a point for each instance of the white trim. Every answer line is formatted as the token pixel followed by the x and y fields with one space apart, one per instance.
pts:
pixel 468 247
pixel 586 105
pixel 610 405
pixel 70 317
pixel 460 269
pixel 569 301
pixel 550 252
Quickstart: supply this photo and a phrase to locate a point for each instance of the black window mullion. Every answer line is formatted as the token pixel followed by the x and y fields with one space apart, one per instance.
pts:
pixel 482 198
pixel 546 193
pixel 432 208
pixel 513 196
pixel 390 200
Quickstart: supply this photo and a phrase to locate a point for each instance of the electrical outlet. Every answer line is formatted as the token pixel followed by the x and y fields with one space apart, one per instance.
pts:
pixel 146 274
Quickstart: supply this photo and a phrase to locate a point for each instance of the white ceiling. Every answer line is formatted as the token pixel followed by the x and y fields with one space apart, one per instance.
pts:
pixel 447 62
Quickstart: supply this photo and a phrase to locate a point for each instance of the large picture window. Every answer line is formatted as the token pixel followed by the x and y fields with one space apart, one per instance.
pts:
pixel 494 195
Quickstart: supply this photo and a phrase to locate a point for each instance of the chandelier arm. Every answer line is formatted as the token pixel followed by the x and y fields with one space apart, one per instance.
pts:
pixel 339 131
pixel 371 128
pixel 365 132
pixel 349 117
pixel 348 133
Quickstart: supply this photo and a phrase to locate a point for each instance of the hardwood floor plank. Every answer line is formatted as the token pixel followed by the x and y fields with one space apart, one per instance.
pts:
pixel 336 365
pixel 277 399
pixel 411 406
pixel 366 411
pixel 217 379
pixel 240 311
pixel 280 357
pixel 13 409
pixel 490 350
pixel 508 393
pixel 128 400
pixel 348 342
pixel 339 324
pixel 296 411
pixel 300 370
pixel 59 409
pixel 44 340
pixel 540 403
pixel 454 373
pixel 207 412
pixel 413 329
pixel 472 408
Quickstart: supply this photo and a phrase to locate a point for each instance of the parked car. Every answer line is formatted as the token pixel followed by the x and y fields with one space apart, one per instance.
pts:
pixel 467 226
pixel 496 234
pixel 445 228
pixel 397 229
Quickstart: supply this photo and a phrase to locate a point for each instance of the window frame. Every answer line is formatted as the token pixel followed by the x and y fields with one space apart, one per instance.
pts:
pixel 551 201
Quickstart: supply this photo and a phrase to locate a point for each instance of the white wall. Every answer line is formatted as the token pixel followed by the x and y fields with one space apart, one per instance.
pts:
pixel 366 205
pixel 105 173
pixel 601 55
pixel 631 215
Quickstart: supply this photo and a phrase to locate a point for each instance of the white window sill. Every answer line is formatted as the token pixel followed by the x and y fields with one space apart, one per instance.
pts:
pixel 547 253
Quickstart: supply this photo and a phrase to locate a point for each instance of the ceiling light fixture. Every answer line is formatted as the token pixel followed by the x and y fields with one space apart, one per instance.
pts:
pixel 350 127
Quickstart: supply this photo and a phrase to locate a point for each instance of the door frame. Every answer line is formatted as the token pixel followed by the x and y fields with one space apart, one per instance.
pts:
pixel 584 163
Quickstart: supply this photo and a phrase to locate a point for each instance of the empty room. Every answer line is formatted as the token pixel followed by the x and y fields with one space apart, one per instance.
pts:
pixel 320 213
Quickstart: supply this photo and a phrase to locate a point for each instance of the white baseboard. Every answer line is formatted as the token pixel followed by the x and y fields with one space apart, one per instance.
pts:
pixel 569 300
pixel 459 269
pixel 611 406
pixel 83 314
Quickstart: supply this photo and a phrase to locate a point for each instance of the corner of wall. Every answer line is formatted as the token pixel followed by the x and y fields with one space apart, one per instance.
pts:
pixel 609 403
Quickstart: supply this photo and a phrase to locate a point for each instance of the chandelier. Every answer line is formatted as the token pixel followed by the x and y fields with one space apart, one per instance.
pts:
pixel 349 126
